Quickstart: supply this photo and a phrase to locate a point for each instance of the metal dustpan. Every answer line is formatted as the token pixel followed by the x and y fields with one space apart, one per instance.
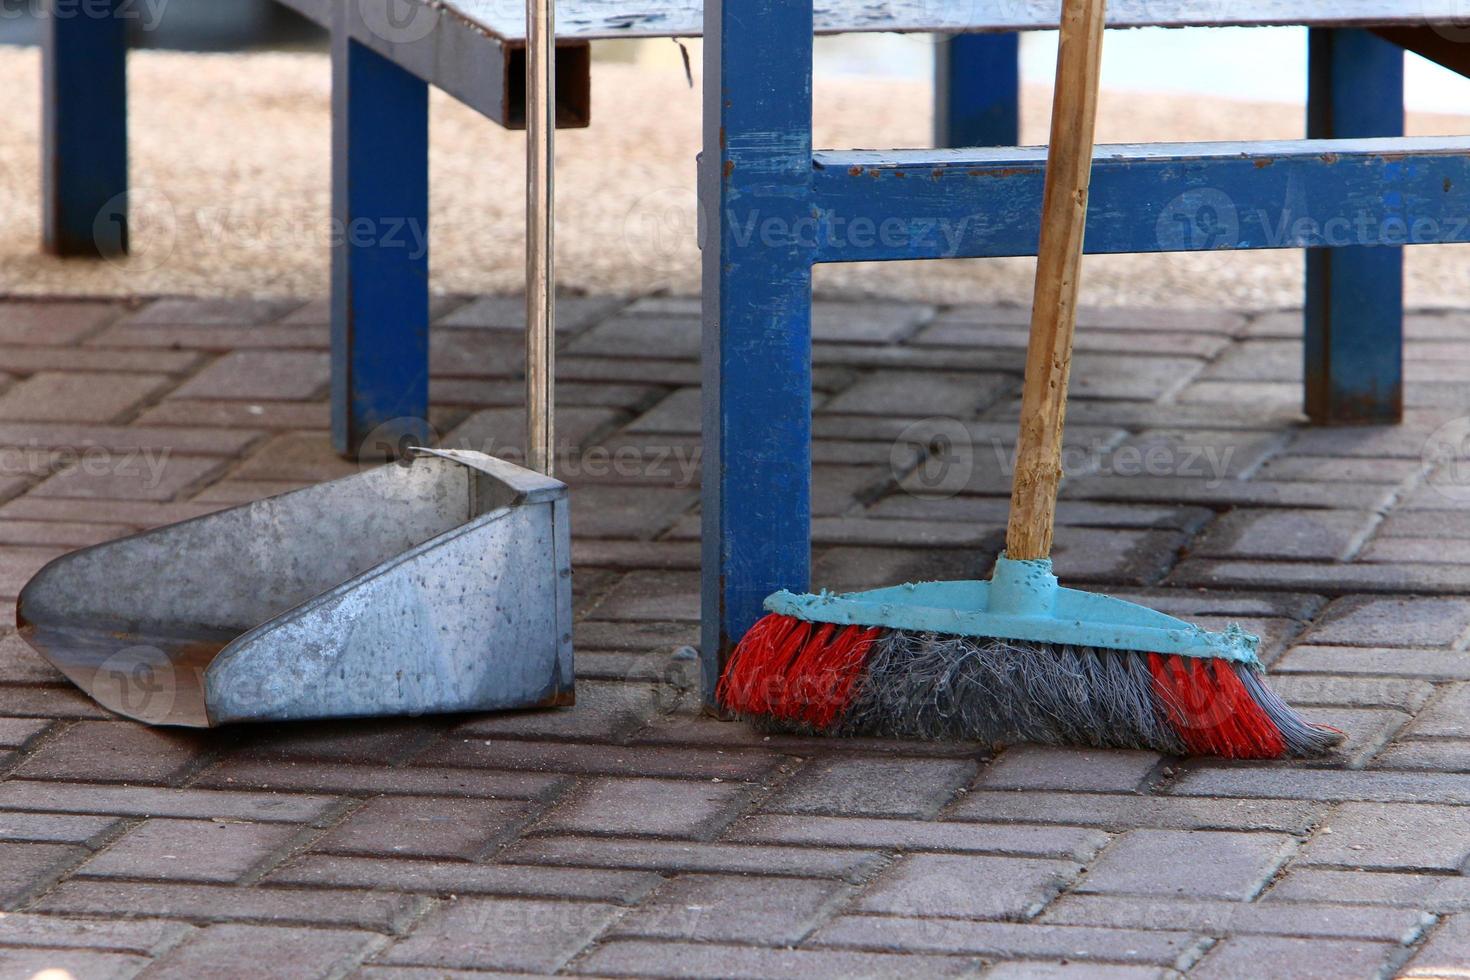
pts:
pixel 441 583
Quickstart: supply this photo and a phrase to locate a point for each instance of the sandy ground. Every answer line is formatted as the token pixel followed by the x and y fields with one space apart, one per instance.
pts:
pixel 230 158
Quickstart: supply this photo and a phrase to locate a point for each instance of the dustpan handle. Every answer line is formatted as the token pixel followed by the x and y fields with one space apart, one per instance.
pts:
pixel 1058 267
pixel 540 234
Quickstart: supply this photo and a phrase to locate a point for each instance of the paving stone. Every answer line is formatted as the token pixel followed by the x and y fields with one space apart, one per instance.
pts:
pixel 376 910
pixel 1436 755
pixel 1334 578
pixel 1355 692
pixel 1368 730
pixel 1322 535
pixel 62 535
pixel 1239 918
pixel 960 396
pixel 645 336
pixel 573 313
pixel 649 807
pixel 130 339
pixel 589 852
pixel 1329 469
pixel 221 851
pixel 136 514
pixel 1326 784
pixel 57 396
pixel 1030 840
pixel 1392 837
pixel 873 787
pixel 1243 957
pixel 1213 454
pixel 1011 939
pixel 1392 662
pixel 216 951
pixel 603 711
pixel 264 375
pixel 652 595
pixel 47 963
pixel 142 936
pixel 603 760
pixel 1402 550
pixel 30 867
pixel 377 741
pixel 719 962
pixel 733 908
pixel 502 933
pixel 993 511
pixel 55 828
pixel 502 431
pixel 142 801
pixel 1438 525
pixel 1063 969
pixel 213 312
pixel 1193 864
pixel 868 322
pixel 20 664
pixel 460 878
pixel 51 702
pixel 1119 812
pixel 411 826
pixel 947 334
pixel 630 511
pixel 16 733
pixel 967 886
pixel 1073 770
pixel 1446 952
pixel 239 414
pixel 102 751
pixel 1448 716
pixel 52 322
pixel 373 780
pixel 1226 493
pixel 163 478
pixel 1371 621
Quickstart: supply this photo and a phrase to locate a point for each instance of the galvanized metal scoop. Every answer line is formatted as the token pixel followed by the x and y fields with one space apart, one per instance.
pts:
pixel 440 583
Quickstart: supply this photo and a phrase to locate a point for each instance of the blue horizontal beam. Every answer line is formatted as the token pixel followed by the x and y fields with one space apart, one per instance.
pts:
pixel 1160 197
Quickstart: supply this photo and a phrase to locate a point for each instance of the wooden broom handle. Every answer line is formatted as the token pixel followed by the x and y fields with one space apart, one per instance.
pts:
pixel 1058 266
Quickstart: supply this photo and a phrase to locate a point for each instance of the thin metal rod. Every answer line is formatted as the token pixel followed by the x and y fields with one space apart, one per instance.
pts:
pixel 540 234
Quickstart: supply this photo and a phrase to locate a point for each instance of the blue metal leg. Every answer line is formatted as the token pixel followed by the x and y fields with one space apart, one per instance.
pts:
pixel 977 90
pixel 84 129
pixel 755 191
pixel 380 261
pixel 1354 302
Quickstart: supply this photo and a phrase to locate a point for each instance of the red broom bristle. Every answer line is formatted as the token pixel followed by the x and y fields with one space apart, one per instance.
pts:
pixel 796 671
pixel 1212 711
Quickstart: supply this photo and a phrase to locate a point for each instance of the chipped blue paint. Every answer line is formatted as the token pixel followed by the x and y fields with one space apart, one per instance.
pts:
pixel 1355 295
pixel 755 188
pixel 380 262
pixel 1021 602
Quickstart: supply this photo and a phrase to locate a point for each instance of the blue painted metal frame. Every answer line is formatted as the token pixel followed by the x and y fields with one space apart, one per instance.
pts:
pixel 1354 297
pixel 977 90
pixel 771 209
pixel 380 262
pixel 755 180
pixel 84 130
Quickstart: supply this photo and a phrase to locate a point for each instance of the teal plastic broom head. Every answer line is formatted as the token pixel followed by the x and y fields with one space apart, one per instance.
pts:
pixel 1023 602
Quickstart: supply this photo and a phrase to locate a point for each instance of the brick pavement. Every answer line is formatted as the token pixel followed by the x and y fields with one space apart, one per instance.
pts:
pixel 631 836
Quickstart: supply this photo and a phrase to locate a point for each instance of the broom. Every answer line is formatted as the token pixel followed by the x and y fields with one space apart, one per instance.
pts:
pixel 1018 658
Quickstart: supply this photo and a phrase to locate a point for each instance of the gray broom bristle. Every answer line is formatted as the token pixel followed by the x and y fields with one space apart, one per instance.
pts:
pixel 936 686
